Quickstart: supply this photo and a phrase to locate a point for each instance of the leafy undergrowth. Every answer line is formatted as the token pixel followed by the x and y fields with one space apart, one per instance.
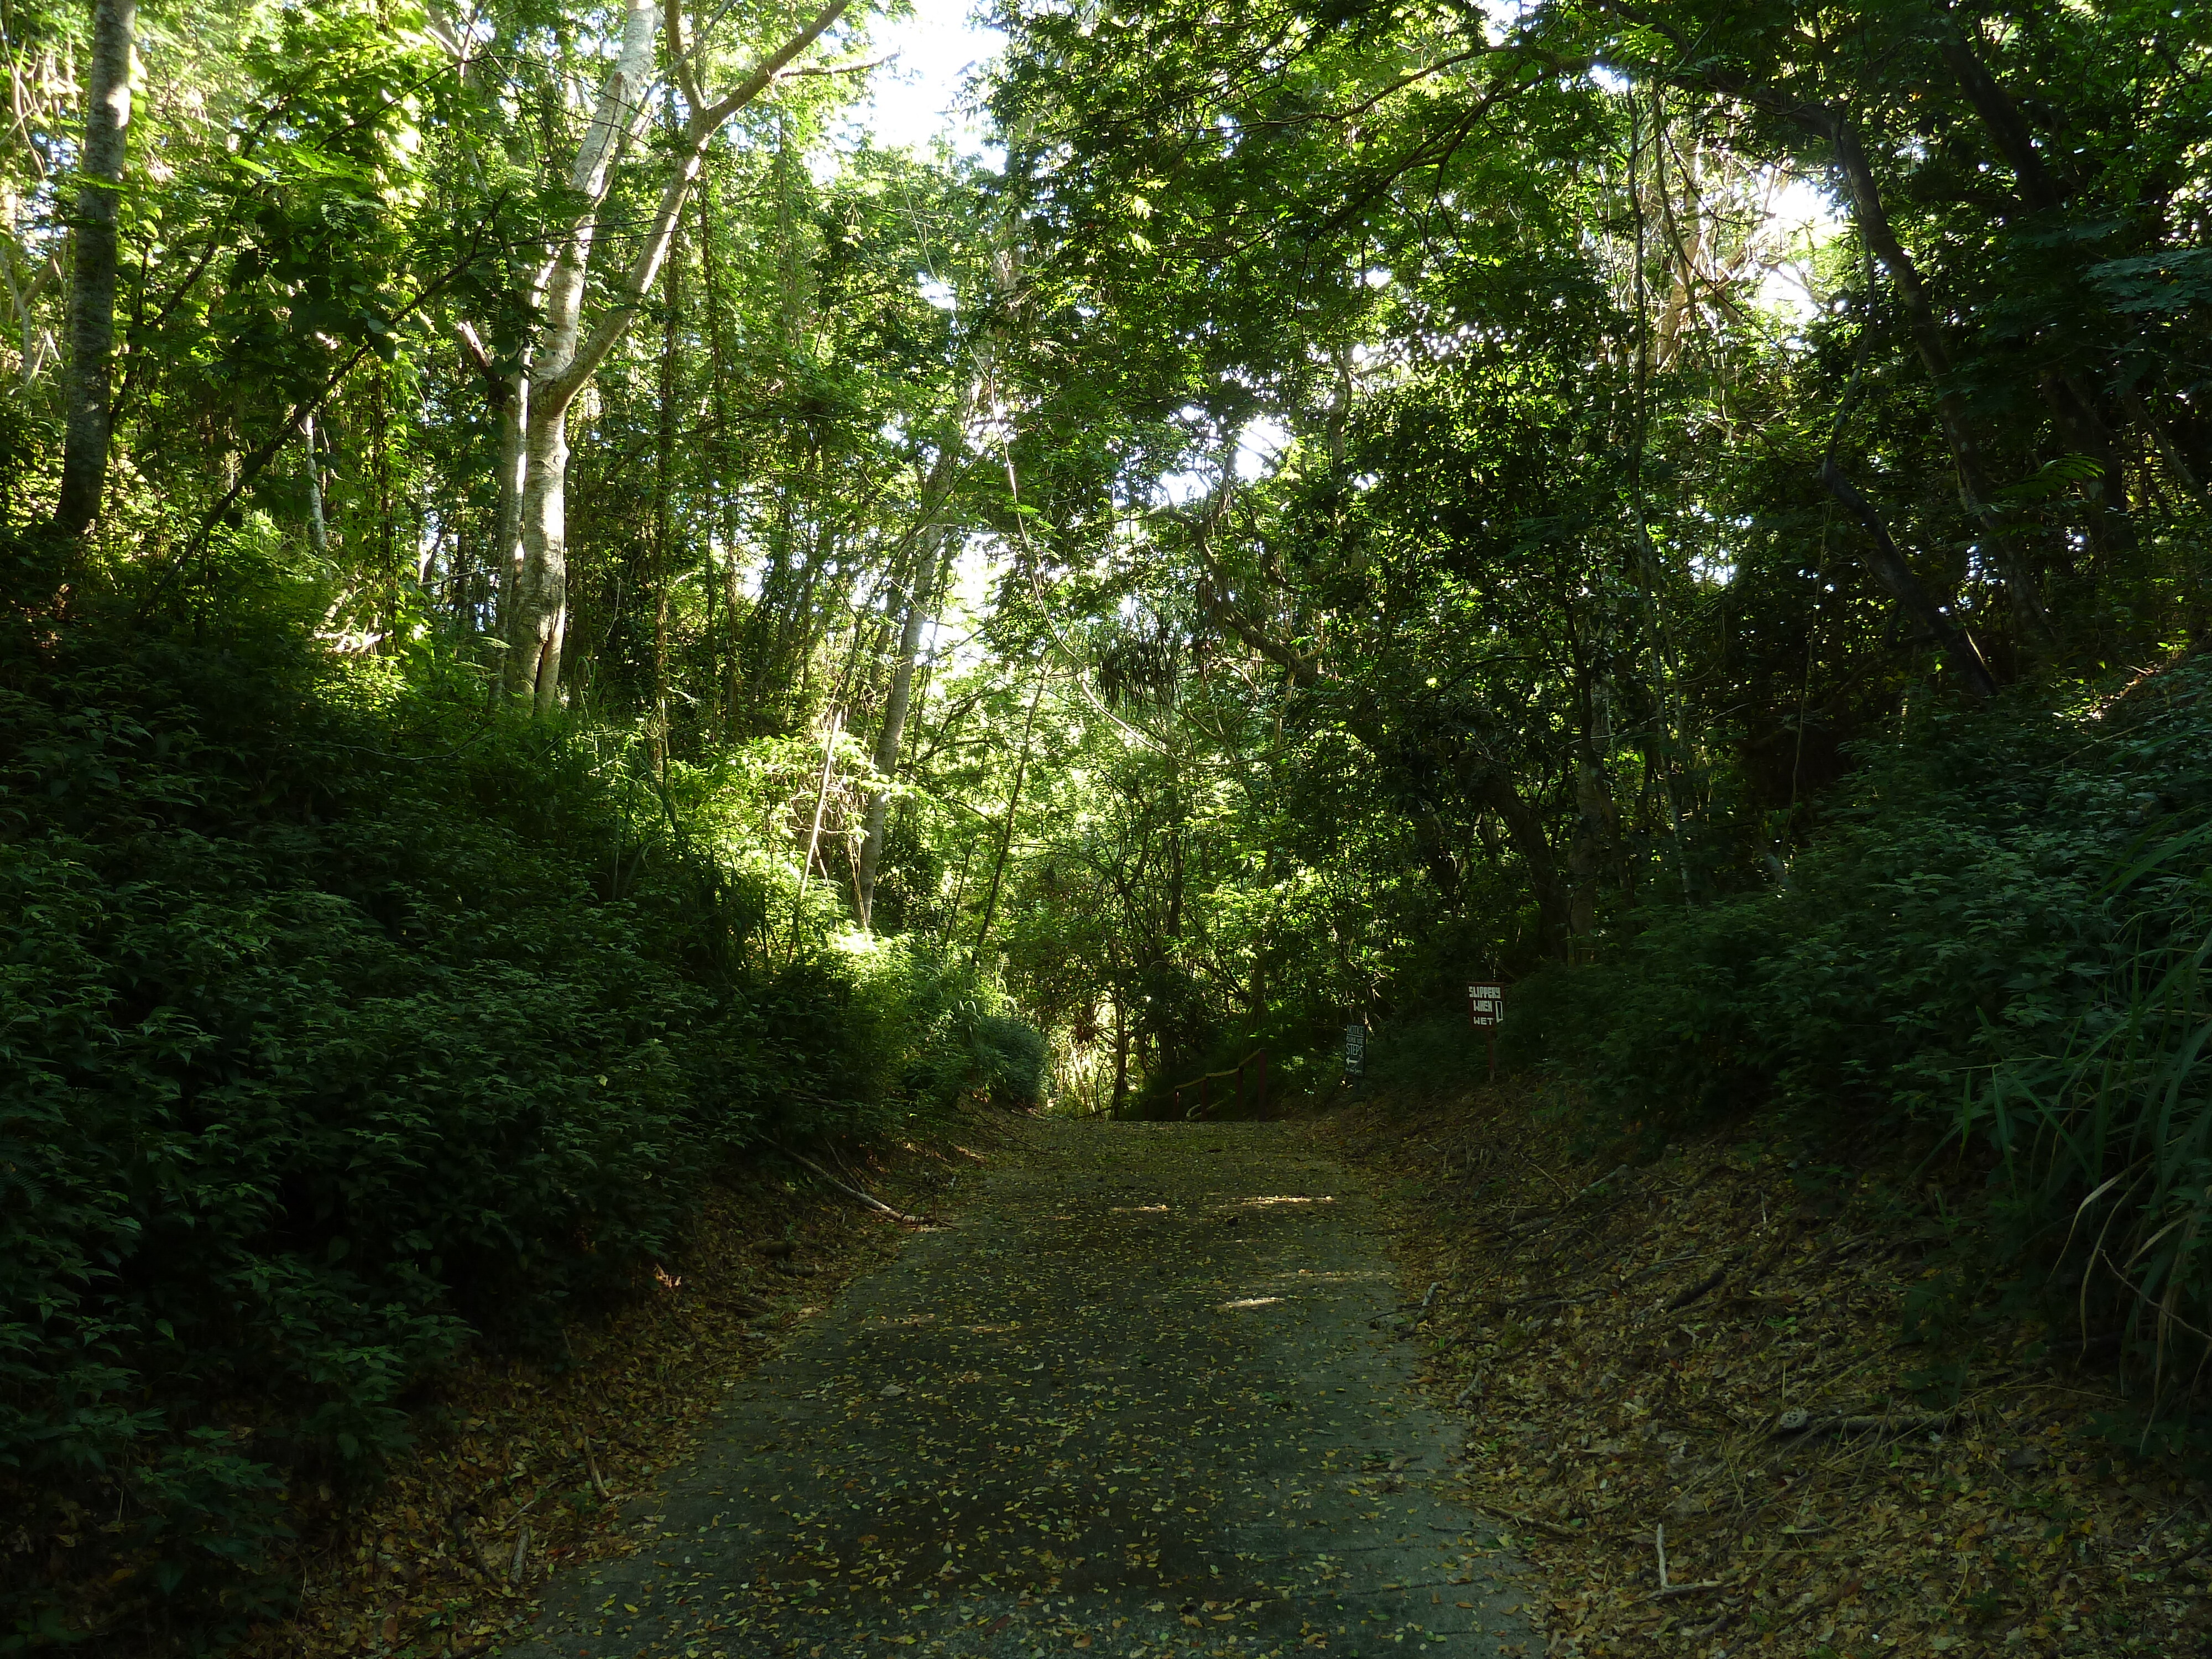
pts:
pixel 524 1467
pixel 1763 1361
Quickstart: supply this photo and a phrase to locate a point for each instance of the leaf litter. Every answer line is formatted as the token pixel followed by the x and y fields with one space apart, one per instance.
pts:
pixel 1692 1402
pixel 523 1466
pixel 1131 1403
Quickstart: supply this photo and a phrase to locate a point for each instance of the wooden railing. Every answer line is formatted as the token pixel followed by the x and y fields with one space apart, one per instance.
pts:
pixel 1257 1058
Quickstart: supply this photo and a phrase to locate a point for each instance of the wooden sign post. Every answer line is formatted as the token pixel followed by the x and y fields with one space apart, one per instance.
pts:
pixel 1486 1007
pixel 1355 1051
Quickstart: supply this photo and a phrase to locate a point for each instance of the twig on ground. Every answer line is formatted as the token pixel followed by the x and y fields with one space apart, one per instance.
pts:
pixel 1711 1626
pixel 1520 1520
pixel 1553 1179
pixel 849 1191
pixel 1697 1290
pixel 1600 1182
pixel 592 1468
pixel 1797 1422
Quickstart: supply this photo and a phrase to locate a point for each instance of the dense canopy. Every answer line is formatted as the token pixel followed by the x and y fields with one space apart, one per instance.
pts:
pixel 570 613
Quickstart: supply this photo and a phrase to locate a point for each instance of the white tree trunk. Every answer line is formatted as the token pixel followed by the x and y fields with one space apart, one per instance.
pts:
pixel 538 616
pixel 889 739
pixel 92 298
pixel 565 357
pixel 928 568
pixel 319 531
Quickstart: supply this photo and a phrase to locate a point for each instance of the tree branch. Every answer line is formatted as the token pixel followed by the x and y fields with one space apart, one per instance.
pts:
pixel 698 132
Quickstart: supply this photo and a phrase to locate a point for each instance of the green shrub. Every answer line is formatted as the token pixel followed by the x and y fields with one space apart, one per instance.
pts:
pixel 2004 931
pixel 339 1028
pixel 1954 914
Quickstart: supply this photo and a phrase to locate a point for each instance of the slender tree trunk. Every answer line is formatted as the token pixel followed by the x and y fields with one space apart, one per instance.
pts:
pixel 1872 218
pixel 928 566
pixel 91 296
pixel 319 531
pixel 722 711
pixel 887 742
pixel 1006 835
pixel 663 524
pixel 814 835
pixel 513 469
pixel 1120 1058
pixel 1871 215
pixel 1895 574
pixel 566 358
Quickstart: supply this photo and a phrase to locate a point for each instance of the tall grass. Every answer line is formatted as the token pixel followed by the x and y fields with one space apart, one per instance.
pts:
pixel 2106 1141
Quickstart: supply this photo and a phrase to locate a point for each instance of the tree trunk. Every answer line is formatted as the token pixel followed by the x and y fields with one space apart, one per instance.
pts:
pixel 2038 189
pixel 540 613
pixel 318 532
pixel 664 516
pixel 1890 570
pixel 566 358
pixel 1833 124
pixel 1872 218
pixel 929 565
pixel 92 298
pixel 1120 1059
pixel 1524 834
pixel 1006 835
pixel 514 470
pixel 893 734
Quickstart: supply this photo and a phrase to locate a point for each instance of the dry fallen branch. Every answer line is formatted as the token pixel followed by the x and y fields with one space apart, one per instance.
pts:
pixel 849 1191
pixel 1698 1588
pixel 592 1468
pixel 1697 1291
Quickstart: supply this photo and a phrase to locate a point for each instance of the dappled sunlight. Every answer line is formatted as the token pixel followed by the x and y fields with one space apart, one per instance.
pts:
pixel 630 628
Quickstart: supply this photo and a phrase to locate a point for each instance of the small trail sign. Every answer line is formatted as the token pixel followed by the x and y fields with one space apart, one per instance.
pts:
pixel 1355 1051
pixel 1486 1007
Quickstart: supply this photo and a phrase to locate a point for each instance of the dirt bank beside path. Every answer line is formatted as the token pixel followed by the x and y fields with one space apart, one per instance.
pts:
pixel 1131 1403
pixel 1772 1367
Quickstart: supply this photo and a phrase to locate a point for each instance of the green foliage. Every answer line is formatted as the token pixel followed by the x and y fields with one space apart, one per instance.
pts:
pixel 1435 1057
pixel 339 1028
pixel 2005 931
pixel 1955 912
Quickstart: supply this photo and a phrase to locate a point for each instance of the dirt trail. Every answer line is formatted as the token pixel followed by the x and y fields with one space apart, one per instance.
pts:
pixel 1131 1403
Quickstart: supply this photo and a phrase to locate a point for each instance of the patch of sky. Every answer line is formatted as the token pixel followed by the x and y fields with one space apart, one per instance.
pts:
pixel 1800 219
pixel 1503 16
pixel 925 93
pixel 1261 446
pixel 1260 449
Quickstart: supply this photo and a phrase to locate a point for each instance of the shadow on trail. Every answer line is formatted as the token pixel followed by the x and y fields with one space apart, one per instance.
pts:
pixel 1131 1403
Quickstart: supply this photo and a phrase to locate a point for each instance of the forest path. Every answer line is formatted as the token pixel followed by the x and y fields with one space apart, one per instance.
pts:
pixel 1131 1403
